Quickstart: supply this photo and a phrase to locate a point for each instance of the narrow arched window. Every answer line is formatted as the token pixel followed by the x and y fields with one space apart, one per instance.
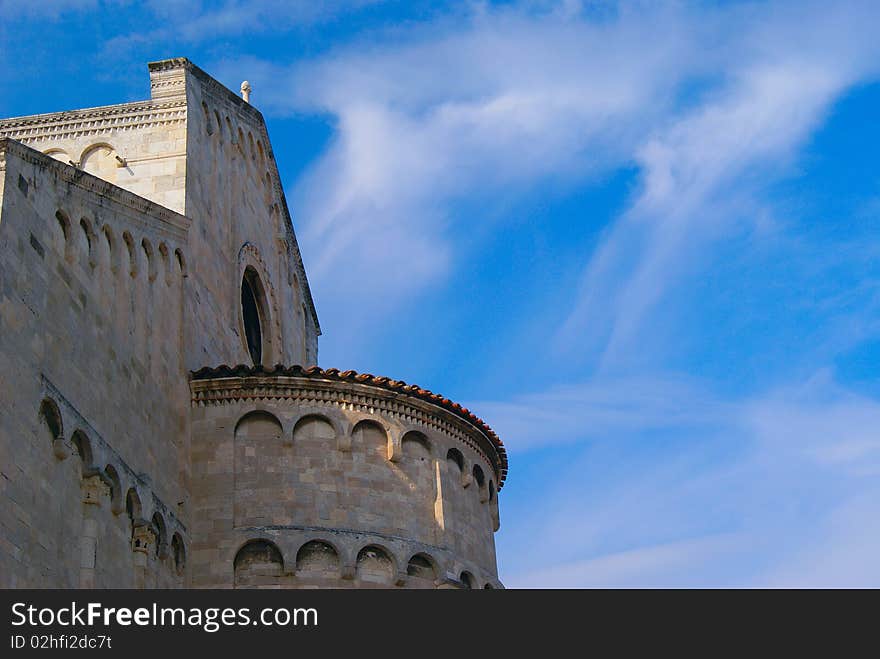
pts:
pixel 251 315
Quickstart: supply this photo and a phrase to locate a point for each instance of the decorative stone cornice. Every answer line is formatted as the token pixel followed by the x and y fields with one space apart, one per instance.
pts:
pixel 169 222
pixel 95 121
pixel 170 64
pixel 313 384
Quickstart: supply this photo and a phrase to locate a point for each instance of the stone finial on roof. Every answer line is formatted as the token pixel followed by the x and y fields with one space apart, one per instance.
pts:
pixel 246 91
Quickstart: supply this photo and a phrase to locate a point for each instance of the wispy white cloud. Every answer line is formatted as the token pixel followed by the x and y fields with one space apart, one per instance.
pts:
pixel 477 109
pixel 706 171
pixel 605 408
pixel 667 565
pixel 196 22
pixel 766 490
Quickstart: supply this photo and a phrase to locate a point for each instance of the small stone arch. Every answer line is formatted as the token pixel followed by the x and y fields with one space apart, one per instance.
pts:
pixel 260 154
pixel 240 141
pixel 455 456
pixel 50 415
pixel 83 446
pixel 133 507
pixel 149 259
pixel 479 476
pixel 488 586
pixel 219 125
pixel 181 262
pixel 89 239
pixel 258 562
pixel 209 125
pixel 315 426
pixel 417 445
pixel 60 155
pixel 480 480
pixel 63 241
pixel 318 557
pixel 375 565
pixel 253 149
pixel 117 505
pixel 265 423
pixel 132 254
pixel 112 252
pixel 166 261
pixel 101 160
pixel 161 530
pixel 369 434
pixel 422 566
pixel 178 553
pixel 467 580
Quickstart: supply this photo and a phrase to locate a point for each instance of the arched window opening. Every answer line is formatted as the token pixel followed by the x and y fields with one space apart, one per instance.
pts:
pixel 253 313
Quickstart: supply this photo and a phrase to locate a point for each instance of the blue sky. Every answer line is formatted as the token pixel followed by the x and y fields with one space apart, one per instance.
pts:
pixel 640 239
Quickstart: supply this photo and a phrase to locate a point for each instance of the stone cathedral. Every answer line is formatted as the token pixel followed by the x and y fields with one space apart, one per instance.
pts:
pixel 163 422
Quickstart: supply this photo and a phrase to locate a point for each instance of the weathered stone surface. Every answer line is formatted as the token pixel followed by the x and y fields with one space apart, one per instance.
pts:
pixel 127 234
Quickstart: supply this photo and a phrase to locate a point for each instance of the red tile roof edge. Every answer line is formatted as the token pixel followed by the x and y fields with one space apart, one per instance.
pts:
pixel 242 370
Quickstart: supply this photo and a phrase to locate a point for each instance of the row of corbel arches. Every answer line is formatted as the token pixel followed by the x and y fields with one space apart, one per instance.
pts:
pixel 156 537
pixel 346 430
pixel 136 283
pixel 226 134
pixel 101 247
pixel 260 562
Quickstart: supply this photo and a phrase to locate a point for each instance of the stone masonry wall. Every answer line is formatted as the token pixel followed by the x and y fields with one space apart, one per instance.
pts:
pixel 240 221
pixel 286 463
pixel 94 382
